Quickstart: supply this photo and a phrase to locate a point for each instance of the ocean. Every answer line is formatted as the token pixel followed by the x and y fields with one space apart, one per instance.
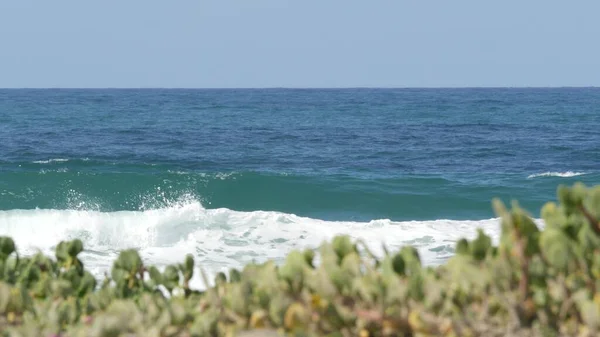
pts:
pixel 233 176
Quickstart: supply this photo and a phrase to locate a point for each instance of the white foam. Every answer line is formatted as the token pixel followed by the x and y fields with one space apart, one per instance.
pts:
pixel 567 174
pixel 60 170
pixel 56 160
pixel 220 238
pixel 220 175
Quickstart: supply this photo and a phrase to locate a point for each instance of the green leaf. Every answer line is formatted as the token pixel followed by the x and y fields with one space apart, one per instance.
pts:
pixel 74 247
pixel 171 277
pixel 129 260
pixel 553 216
pixel 155 275
pixel 87 284
pixel 398 264
pixel 412 260
pixel 557 248
pixel 62 252
pixel 188 273
pixel 462 247
pixel 234 275
pixel 293 269
pixel 480 246
pixel 7 247
pixel 220 279
pixel 342 245
pixel 592 203
pixel 309 256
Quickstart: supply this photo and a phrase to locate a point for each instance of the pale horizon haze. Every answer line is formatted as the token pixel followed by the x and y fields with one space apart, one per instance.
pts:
pixel 298 44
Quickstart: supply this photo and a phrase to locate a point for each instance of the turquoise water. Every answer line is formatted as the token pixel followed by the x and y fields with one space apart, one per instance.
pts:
pixel 233 175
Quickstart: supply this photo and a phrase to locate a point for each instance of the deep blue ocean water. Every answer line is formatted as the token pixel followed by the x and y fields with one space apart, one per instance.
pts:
pixel 234 174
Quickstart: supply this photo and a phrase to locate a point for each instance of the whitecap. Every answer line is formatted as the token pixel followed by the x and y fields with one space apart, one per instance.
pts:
pixel 56 160
pixel 567 174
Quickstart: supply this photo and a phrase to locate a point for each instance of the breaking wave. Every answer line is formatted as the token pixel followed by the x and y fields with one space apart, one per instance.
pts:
pixel 52 160
pixel 220 238
pixel 567 174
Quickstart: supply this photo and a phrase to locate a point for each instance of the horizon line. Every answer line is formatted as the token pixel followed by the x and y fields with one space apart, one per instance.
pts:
pixel 294 88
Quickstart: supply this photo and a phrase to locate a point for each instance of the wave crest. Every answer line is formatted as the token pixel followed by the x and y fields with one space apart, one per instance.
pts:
pixel 52 160
pixel 567 174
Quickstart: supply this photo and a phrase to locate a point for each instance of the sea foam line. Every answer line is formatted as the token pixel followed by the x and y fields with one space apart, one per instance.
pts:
pixel 567 174
pixel 56 160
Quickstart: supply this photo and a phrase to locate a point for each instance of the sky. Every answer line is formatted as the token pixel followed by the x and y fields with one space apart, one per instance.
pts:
pixel 302 43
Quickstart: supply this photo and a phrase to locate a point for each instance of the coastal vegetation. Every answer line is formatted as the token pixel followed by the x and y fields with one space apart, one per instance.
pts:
pixel 535 282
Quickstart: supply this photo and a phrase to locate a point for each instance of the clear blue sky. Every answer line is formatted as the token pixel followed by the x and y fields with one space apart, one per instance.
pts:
pixel 302 43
